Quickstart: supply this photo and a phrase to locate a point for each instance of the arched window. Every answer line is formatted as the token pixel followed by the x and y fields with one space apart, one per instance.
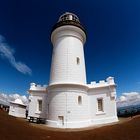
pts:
pixel 79 100
pixel 77 60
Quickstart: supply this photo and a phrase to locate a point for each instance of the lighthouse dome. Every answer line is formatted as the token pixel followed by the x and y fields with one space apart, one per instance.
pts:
pixel 68 16
pixel 68 19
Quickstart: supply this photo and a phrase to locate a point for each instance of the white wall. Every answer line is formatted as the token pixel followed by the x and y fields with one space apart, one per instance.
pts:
pixel 17 110
pixel 63 101
pixel 67 46
pixel 34 96
pixel 109 113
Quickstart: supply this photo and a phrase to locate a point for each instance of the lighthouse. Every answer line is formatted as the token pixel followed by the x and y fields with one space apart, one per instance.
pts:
pixel 68 101
pixel 67 91
pixel 68 63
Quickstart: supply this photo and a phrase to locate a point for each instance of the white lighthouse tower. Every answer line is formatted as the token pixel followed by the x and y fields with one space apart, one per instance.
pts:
pixel 67 91
pixel 68 63
pixel 68 101
pixel 71 102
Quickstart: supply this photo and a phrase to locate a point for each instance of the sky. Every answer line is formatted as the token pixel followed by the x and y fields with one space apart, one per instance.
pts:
pixel 112 47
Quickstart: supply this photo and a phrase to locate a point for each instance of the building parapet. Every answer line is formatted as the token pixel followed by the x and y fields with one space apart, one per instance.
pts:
pixel 36 87
pixel 109 81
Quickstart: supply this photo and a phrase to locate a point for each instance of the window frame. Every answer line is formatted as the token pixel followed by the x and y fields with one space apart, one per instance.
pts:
pixel 79 100
pixel 39 107
pixel 78 60
pixel 100 105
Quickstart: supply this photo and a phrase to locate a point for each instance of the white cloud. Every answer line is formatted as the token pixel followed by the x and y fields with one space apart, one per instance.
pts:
pixel 8 53
pixel 131 94
pixel 127 99
pixel 12 97
pixel 123 98
pixel 24 99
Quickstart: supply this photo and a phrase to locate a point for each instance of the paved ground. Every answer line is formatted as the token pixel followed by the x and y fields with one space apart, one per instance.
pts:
pixel 17 129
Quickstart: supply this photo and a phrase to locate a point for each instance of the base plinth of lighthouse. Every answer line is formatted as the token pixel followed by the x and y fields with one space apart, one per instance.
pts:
pixel 81 124
pixel 70 106
pixel 77 124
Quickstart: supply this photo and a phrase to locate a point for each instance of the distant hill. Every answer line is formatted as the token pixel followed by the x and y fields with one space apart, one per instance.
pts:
pixel 127 111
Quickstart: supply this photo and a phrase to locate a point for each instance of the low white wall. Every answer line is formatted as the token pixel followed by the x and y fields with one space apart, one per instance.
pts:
pixel 17 110
pixel 34 96
pixel 109 113
pixel 63 101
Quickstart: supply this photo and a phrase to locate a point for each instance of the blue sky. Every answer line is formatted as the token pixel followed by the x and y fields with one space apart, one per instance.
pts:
pixel 112 47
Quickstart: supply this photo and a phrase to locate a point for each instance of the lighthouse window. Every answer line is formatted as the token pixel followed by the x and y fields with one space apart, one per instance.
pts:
pixel 39 105
pixel 79 100
pixel 100 104
pixel 78 60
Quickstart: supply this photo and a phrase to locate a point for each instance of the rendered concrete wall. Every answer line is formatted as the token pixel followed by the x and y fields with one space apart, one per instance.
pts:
pixel 109 113
pixel 17 110
pixel 63 101
pixel 34 96
pixel 67 47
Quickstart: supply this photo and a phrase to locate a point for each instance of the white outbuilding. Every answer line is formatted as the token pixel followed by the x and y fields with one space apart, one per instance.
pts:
pixel 17 108
pixel 68 101
pixel 37 102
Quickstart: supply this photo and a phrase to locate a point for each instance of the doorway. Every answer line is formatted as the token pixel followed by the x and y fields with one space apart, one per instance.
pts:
pixel 61 120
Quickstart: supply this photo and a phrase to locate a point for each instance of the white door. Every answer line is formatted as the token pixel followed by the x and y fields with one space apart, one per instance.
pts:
pixel 61 120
